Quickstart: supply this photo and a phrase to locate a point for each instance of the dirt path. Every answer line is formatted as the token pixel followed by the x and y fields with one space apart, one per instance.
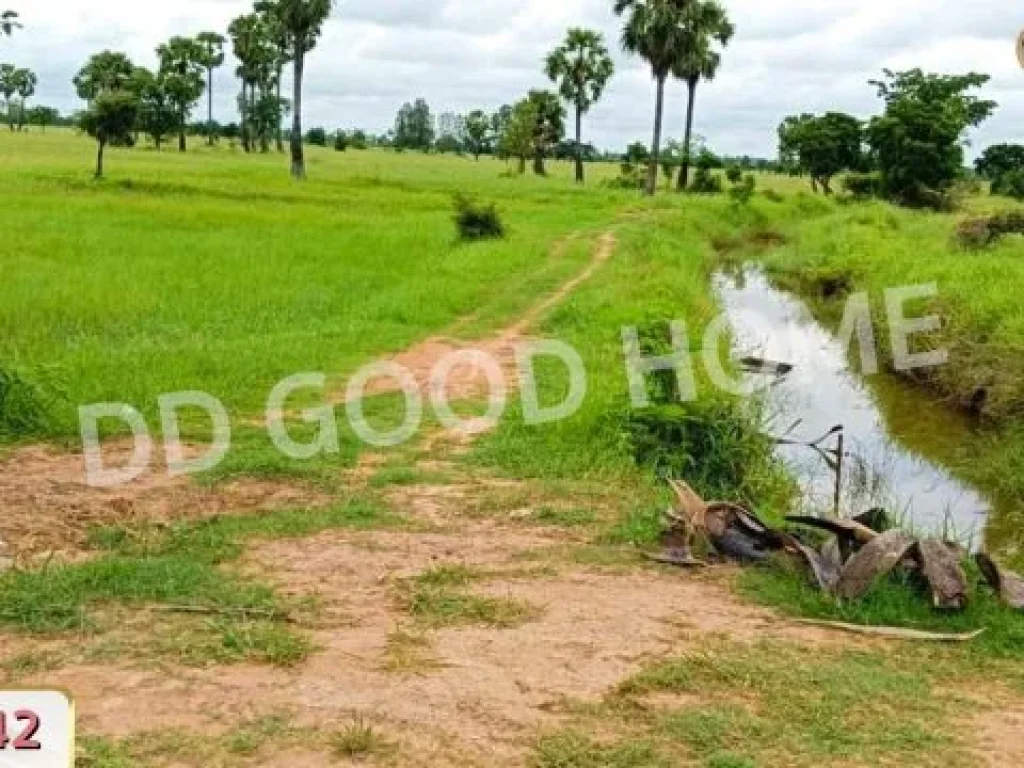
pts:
pixel 473 692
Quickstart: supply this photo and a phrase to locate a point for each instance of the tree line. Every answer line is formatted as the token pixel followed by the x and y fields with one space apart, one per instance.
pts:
pixel 913 152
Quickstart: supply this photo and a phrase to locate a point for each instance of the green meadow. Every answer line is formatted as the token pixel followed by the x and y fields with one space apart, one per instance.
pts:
pixel 212 271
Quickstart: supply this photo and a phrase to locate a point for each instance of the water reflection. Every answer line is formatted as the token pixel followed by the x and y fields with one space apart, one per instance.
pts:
pixel 883 420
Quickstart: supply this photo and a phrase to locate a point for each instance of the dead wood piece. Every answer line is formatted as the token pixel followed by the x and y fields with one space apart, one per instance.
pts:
pixel 823 568
pixel 846 530
pixel 1007 584
pixel 894 633
pixel 940 567
pixel 241 613
pixel 679 557
pixel 877 558
pixel 769 367
pixel 877 520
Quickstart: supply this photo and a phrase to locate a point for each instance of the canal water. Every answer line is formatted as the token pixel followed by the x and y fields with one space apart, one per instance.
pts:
pixel 899 445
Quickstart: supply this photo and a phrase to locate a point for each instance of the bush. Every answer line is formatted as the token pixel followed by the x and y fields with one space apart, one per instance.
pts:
pixel 743 190
pixel 706 183
pixel 23 410
pixel 341 141
pixel 978 233
pixel 1010 184
pixel 317 137
pixel 477 222
pixel 772 196
pixel 862 186
pixel 734 174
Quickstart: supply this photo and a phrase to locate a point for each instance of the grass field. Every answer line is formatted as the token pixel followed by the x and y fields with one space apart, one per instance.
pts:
pixel 339 620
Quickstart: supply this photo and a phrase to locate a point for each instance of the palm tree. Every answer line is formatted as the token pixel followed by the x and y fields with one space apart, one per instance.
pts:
pixel 708 23
pixel 656 31
pixel 583 67
pixel 212 46
pixel 9 23
pixel 302 22
pixel 8 87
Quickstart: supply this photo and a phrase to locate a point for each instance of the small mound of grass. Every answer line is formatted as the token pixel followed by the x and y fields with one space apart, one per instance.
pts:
pixel 477 222
pixel 360 740
pixel 575 750
pixel 438 598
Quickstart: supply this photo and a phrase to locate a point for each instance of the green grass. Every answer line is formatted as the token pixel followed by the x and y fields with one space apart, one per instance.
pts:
pixel 185 563
pixel 441 597
pixel 213 270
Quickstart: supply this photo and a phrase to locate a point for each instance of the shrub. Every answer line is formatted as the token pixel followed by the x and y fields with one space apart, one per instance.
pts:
pixel 743 190
pixel 317 137
pixel 1010 184
pixel 477 222
pixel 976 233
pixel 772 196
pixel 706 183
pixel 862 186
pixel 23 409
pixel 341 141
pixel 734 174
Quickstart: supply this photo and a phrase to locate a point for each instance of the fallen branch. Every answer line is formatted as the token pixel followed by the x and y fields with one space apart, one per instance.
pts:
pixel 893 633
pixel 244 613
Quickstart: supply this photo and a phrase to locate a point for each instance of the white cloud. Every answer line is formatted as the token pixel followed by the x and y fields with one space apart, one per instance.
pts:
pixel 788 56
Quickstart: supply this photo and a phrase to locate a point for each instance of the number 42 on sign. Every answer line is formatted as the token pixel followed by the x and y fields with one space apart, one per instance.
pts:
pixel 37 729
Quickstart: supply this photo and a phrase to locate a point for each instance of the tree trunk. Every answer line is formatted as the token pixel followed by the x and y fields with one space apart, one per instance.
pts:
pixel 579 145
pixel 298 159
pixel 522 164
pixel 209 106
pixel 99 159
pixel 280 116
pixel 21 116
pixel 659 108
pixel 182 143
pixel 538 163
pixel 684 174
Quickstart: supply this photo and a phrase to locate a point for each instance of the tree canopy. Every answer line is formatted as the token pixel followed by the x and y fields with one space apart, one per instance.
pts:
pixel 822 146
pixel 919 140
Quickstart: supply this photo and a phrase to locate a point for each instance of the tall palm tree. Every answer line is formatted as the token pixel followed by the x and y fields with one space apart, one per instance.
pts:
pixel 707 23
pixel 302 22
pixel 212 47
pixel 656 31
pixel 582 66
pixel 8 22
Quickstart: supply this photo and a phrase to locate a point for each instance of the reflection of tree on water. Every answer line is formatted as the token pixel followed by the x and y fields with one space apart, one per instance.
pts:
pixel 883 463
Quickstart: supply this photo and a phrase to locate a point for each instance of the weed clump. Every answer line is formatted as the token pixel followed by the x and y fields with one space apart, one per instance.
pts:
pixel 23 409
pixel 977 233
pixel 477 222
pixel 862 186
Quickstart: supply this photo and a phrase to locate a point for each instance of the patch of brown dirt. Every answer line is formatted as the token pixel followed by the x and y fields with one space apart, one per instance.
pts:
pixel 493 688
pixel 468 379
pixel 46 506
pixel 1000 737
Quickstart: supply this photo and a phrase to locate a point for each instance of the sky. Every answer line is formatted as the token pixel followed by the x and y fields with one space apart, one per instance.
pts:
pixel 788 56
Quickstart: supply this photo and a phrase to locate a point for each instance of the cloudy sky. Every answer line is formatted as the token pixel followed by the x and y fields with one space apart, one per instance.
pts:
pixel 788 56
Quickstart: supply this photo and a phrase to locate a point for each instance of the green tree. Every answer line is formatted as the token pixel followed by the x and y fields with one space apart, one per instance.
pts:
pixel 1002 164
pixel 414 127
pixel 301 22
pixel 548 126
pixel 823 146
pixel 106 71
pixel 478 132
pixel 655 30
pixel 707 23
pixel 110 118
pixel 25 82
pixel 211 56
pixel 8 23
pixel 9 87
pixel 277 37
pixel 43 116
pixel 517 134
pixel 158 114
pixel 919 140
pixel 181 74
pixel 582 67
